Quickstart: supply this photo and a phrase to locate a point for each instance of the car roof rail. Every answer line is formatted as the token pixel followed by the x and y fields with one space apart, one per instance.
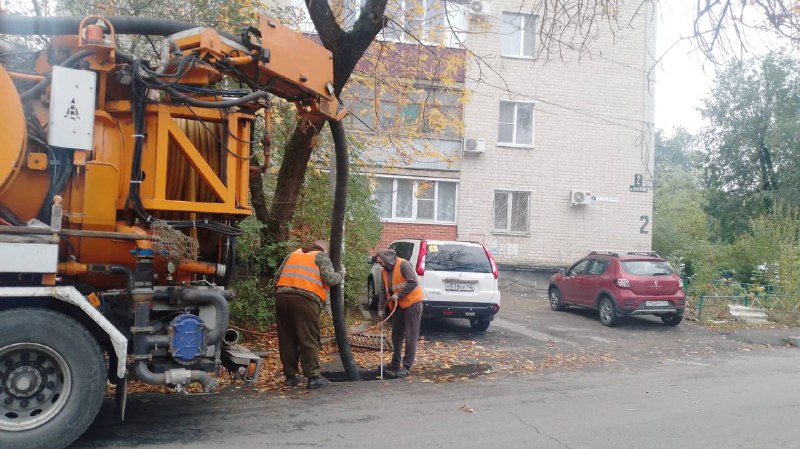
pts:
pixel 644 253
pixel 604 253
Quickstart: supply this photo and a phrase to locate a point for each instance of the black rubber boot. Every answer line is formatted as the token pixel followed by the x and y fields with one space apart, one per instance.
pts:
pixel 291 381
pixel 317 382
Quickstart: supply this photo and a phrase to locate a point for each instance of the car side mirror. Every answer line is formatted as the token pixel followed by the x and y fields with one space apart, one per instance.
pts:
pixel 562 271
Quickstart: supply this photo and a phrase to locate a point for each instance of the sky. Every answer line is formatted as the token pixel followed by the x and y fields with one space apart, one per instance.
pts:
pixel 683 77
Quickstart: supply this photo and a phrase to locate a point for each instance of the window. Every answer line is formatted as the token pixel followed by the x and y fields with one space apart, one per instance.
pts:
pixel 404 250
pixel 515 126
pixel 579 268
pixel 425 20
pixel 511 212
pixel 598 267
pixel 518 35
pixel 647 267
pixel 426 199
pixel 416 199
pixel 454 257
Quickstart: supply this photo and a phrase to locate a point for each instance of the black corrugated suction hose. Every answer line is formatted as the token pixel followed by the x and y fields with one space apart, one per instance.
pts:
pixel 337 235
pixel 55 26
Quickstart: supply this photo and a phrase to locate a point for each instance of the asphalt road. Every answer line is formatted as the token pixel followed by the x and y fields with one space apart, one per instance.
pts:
pixel 666 387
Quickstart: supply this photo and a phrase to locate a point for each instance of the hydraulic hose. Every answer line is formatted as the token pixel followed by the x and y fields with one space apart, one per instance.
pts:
pixel 217 104
pixel 114 269
pixel 41 85
pixel 56 26
pixel 337 235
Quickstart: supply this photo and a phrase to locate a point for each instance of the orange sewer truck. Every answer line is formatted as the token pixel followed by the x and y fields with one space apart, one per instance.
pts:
pixel 122 182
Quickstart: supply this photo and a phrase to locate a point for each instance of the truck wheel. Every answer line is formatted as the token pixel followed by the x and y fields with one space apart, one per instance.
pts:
pixel 52 379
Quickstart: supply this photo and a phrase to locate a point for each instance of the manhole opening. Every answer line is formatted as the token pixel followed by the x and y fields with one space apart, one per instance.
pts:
pixel 341 376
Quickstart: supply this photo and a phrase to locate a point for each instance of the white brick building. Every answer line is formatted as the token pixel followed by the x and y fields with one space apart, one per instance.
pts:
pixel 549 126
pixel 592 131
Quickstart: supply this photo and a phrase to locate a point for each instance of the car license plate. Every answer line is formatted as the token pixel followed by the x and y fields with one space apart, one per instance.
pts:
pixel 656 303
pixel 469 314
pixel 459 287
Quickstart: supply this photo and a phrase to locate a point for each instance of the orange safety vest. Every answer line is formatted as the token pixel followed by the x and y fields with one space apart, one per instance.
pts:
pixel 398 283
pixel 301 271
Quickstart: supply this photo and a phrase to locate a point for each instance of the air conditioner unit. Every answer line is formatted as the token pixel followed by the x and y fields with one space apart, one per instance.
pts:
pixel 479 8
pixel 474 146
pixel 580 197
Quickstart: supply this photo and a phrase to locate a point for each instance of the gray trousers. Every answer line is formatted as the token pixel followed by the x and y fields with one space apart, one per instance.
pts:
pixel 405 326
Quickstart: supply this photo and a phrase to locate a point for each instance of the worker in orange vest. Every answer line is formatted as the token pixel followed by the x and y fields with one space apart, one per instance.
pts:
pixel 304 280
pixel 401 290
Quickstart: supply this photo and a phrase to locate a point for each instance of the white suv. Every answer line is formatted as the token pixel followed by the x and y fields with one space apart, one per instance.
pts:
pixel 459 279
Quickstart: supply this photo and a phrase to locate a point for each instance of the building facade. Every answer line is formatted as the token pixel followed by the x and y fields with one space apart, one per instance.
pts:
pixel 557 131
pixel 553 155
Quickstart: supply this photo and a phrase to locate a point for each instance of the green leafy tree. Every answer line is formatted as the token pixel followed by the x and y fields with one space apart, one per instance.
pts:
pixel 753 141
pixel 680 223
pixel 677 152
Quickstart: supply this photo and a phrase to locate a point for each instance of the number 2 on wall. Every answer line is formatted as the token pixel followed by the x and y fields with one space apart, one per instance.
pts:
pixel 646 220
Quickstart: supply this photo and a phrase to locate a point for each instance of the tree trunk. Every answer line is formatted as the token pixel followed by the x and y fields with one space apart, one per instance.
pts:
pixel 290 179
pixel 347 49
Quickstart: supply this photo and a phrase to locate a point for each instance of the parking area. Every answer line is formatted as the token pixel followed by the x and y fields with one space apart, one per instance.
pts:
pixel 526 324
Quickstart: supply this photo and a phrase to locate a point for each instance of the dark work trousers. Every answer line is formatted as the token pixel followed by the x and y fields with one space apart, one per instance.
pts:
pixel 298 333
pixel 405 326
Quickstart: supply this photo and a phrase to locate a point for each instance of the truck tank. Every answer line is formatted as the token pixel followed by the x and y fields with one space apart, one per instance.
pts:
pixel 122 182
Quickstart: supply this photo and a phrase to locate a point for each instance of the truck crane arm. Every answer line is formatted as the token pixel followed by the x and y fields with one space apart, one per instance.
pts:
pixel 121 185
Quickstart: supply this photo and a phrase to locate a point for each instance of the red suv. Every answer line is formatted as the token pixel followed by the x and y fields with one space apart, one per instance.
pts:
pixel 618 284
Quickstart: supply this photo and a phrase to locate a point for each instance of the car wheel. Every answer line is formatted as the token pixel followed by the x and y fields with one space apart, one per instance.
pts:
pixel 479 325
pixel 608 315
pixel 372 295
pixel 555 299
pixel 673 319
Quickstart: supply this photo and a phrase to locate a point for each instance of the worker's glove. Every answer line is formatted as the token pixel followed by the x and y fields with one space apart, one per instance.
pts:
pixel 381 314
pixel 343 270
pixel 394 297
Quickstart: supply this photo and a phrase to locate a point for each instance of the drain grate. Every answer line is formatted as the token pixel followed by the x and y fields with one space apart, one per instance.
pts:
pixel 370 341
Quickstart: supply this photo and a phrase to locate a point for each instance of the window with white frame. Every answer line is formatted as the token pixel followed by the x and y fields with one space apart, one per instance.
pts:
pixel 511 212
pixel 518 35
pixel 416 199
pixel 515 125
pixel 424 20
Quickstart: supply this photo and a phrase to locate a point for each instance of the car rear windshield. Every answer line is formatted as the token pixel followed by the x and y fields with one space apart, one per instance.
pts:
pixel 647 267
pixel 471 259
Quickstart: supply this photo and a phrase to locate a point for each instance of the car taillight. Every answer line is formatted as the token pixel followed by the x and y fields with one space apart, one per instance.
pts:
pixel 680 284
pixel 491 261
pixel 622 283
pixel 423 250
